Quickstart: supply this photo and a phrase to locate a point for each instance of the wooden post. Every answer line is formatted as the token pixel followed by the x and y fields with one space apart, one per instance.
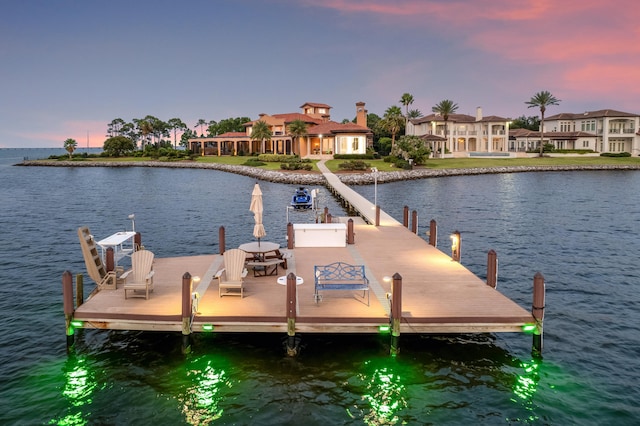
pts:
pixel 186 313
pixel 110 260
pixel 537 310
pixel 414 222
pixel 396 312
pixel 328 218
pixel 492 268
pixel 292 347
pixel 324 216
pixel 67 299
pixel 290 237
pixel 350 233
pixel 405 217
pixel 221 239
pixel 433 233
pixel 137 242
pixel 79 289
pixel 377 215
pixel 456 245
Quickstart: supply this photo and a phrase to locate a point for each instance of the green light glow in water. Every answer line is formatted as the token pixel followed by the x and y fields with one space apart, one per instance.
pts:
pixel 78 391
pixel 526 385
pixel 384 391
pixel 201 403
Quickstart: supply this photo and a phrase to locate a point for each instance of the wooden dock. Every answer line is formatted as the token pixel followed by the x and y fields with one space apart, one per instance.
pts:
pixel 439 295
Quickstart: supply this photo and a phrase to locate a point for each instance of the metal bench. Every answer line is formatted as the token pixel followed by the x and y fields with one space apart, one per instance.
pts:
pixel 340 276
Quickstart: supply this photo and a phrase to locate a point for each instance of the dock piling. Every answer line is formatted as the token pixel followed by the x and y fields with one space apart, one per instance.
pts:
pixel 537 310
pixel 290 237
pixel 221 239
pixel 433 233
pixel 79 289
pixel 350 233
pixel 292 345
pixel 186 313
pixel 377 215
pixel 405 217
pixel 396 313
pixel 110 259
pixel 67 298
pixel 137 242
pixel 414 222
pixel 492 268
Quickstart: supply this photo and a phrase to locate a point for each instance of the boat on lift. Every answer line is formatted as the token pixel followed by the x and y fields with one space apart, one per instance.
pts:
pixel 301 199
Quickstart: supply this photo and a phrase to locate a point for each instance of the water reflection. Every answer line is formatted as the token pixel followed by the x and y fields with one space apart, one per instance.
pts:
pixel 80 384
pixel 384 392
pixel 526 386
pixel 201 402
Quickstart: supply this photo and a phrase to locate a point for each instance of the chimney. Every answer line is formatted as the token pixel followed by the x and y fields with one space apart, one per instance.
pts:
pixel 478 113
pixel 361 114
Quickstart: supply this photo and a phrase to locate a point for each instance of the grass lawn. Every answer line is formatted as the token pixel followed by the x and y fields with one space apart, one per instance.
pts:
pixel 447 163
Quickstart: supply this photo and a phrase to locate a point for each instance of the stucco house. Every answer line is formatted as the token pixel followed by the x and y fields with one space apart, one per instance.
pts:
pixel 464 133
pixel 324 136
pixel 604 130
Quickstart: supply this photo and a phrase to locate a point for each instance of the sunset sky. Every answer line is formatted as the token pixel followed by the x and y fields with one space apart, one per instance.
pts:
pixel 70 67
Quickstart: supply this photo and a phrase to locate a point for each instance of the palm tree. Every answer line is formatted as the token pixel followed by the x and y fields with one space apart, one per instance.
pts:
pixel 542 100
pixel 445 108
pixel 414 113
pixel 297 129
pixel 70 145
pixel 261 131
pixel 406 100
pixel 392 122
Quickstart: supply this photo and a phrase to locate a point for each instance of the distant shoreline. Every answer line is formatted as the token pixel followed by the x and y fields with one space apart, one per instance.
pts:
pixel 347 178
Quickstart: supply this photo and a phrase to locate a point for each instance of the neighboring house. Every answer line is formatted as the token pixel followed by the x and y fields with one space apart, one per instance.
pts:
pixel 605 130
pixel 464 133
pixel 323 135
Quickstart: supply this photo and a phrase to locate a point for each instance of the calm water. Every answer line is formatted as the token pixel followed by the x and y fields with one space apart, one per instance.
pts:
pixel 579 229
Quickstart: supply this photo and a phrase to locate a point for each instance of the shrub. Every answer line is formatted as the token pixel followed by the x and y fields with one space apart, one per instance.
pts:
pixel 297 165
pixel 367 156
pixel 252 162
pixel 277 158
pixel 354 165
pixel 615 154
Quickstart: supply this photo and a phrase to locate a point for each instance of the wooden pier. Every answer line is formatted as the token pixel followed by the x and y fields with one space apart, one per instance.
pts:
pixel 436 295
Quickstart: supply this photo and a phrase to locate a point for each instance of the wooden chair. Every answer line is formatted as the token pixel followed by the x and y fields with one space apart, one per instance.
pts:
pixel 92 260
pixel 141 273
pixel 231 278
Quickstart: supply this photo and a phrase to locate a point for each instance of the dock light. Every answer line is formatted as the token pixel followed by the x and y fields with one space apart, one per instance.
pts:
pixel 207 327
pixel 77 324
pixel 455 246
pixel 132 217
pixel 529 328
pixel 384 329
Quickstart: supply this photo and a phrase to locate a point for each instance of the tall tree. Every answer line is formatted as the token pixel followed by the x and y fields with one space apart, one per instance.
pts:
pixel 297 129
pixel 445 108
pixel 175 124
pixel 414 113
pixel 406 100
pixel 70 146
pixel 201 123
pixel 261 132
pixel 392 122
pixel 542 100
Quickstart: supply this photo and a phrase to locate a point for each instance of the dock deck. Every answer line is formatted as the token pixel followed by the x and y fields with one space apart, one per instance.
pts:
pixel 439 295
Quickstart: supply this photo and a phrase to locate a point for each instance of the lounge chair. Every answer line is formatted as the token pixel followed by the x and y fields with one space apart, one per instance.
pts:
pixel 231 278
pixel 93 261
pixel 140 276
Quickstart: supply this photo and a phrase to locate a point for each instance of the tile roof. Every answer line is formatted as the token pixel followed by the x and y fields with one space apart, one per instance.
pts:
pixel 602 113
pixel 334 127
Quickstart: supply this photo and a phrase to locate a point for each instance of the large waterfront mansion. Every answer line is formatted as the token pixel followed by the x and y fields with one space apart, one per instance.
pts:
pixel 600 131
pixel 462 135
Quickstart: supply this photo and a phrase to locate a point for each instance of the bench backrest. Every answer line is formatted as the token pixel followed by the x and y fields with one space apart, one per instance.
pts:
pixel 340 271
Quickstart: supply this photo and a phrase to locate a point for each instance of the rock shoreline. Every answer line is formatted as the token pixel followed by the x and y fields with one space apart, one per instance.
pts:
pixel 318 179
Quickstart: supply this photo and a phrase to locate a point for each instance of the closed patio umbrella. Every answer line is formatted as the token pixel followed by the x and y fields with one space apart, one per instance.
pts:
pixel 256 208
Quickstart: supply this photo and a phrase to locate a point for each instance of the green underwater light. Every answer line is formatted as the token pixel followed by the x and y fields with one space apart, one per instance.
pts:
pixel 207 327
pixel 77 324
pixel 529 328
pixel 384 329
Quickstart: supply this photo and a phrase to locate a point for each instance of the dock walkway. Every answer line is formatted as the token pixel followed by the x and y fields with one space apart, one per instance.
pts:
pixel 439 295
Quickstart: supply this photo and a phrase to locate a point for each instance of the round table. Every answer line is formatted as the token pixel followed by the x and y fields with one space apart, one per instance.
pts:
pixel 283 280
